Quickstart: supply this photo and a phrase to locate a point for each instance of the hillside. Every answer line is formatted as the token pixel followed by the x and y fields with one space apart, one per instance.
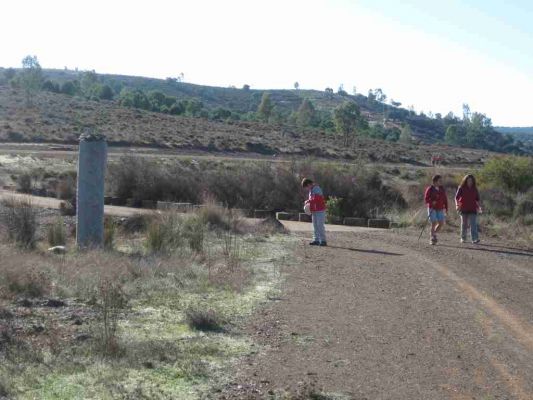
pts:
pixel 380 117
pixel 59 118
pixel 524 134
pixel 247 100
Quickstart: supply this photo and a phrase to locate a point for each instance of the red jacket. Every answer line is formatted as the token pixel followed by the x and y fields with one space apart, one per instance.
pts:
pixel 436 199
pixel 467 199
pixel 316 200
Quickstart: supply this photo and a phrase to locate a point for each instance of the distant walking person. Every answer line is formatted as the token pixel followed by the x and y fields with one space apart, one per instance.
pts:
pixel 437 203
pixel 468 205
pixel 317 207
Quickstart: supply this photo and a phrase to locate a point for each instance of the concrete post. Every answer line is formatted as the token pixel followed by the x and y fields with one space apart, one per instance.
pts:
pixel 92 163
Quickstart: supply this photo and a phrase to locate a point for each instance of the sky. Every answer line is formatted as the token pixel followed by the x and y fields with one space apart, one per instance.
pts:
pixel 433 55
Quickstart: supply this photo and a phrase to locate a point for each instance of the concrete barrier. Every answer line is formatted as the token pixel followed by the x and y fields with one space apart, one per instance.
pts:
pixel 151 204
pixel 355 221
pixel 303 217
pixel 183 207
pixel 285 216
pixel 241 211
pixel 379 223
pixel 334 220
pixel 263 213
pixel 133 203
pixel 118 201
pixel 166 205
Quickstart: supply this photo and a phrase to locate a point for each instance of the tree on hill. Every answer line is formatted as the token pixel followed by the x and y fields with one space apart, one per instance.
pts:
pixel 246 87
pixel 329 92
pixel 134 98
pixel 104 92
pixel 89 79
pixel 454 134
pixel 31 77
pixel 266 108
pixel 348 120
pixel 406 134
pixel 306 114
pixel 341 90
pixel 70 87
pixel 296 85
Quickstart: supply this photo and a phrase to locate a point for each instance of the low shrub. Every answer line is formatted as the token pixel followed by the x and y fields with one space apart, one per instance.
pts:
pixel 334 206
pixel 524 206
pixel 111 300
pixel 512 173
pixel 136 223
pixel 110 228
pixel 27 282
pixel 25 183
pixel 498 202
pixel 66 188
pixel 56 233
pixel 206 320
pixel 165 233
pixel 67 209
pixel 19 218
pixel 194 232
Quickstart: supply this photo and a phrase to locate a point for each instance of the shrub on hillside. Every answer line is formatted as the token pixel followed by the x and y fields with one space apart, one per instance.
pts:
pixel 512 173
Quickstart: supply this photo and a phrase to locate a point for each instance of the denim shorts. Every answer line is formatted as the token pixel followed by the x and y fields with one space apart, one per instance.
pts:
pixel 436 215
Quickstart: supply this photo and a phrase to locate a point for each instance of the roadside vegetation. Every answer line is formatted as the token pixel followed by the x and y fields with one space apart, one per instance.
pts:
pixel 156 314
pixel 252 185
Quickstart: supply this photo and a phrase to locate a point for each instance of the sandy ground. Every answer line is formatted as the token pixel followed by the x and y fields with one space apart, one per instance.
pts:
pixel 379 315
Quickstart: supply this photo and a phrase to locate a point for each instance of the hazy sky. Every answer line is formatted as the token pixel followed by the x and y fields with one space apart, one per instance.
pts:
pixel 432 54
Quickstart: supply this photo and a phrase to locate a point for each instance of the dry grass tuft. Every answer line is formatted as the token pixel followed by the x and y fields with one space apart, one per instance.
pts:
pixel 19 218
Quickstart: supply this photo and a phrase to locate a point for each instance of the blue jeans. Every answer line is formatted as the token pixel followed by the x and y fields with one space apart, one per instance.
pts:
pixel 319 227
pixel 469 220
pixel 436 215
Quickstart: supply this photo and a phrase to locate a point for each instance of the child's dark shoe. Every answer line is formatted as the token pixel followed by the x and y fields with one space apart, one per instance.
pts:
pixel 323 244
pixel 314 243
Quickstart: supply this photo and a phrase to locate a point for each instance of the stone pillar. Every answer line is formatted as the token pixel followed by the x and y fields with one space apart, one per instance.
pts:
pixel 92 161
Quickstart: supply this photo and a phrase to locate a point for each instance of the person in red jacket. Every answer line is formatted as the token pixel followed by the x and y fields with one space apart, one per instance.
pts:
pixel 317 206
pixel 437 204
pixel 468 205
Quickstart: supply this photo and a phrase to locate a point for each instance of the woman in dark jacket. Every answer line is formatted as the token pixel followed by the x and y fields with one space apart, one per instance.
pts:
pixel 468 205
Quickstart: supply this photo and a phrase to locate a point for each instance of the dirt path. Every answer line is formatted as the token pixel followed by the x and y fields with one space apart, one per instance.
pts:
pixel 378 315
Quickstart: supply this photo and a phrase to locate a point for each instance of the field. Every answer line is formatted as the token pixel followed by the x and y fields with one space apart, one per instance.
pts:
pixel 143 319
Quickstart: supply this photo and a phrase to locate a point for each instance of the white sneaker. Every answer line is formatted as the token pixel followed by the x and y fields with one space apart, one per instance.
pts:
pixel 463 240
pixel 475 241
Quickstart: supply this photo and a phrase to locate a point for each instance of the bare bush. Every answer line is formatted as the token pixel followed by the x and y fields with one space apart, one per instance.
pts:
pixel 56 233
pixel 204 319
pixel 25 183
pixel 19 218
pixel 110 228
pixel 111 300
pixel 66 188
pixel 165 233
